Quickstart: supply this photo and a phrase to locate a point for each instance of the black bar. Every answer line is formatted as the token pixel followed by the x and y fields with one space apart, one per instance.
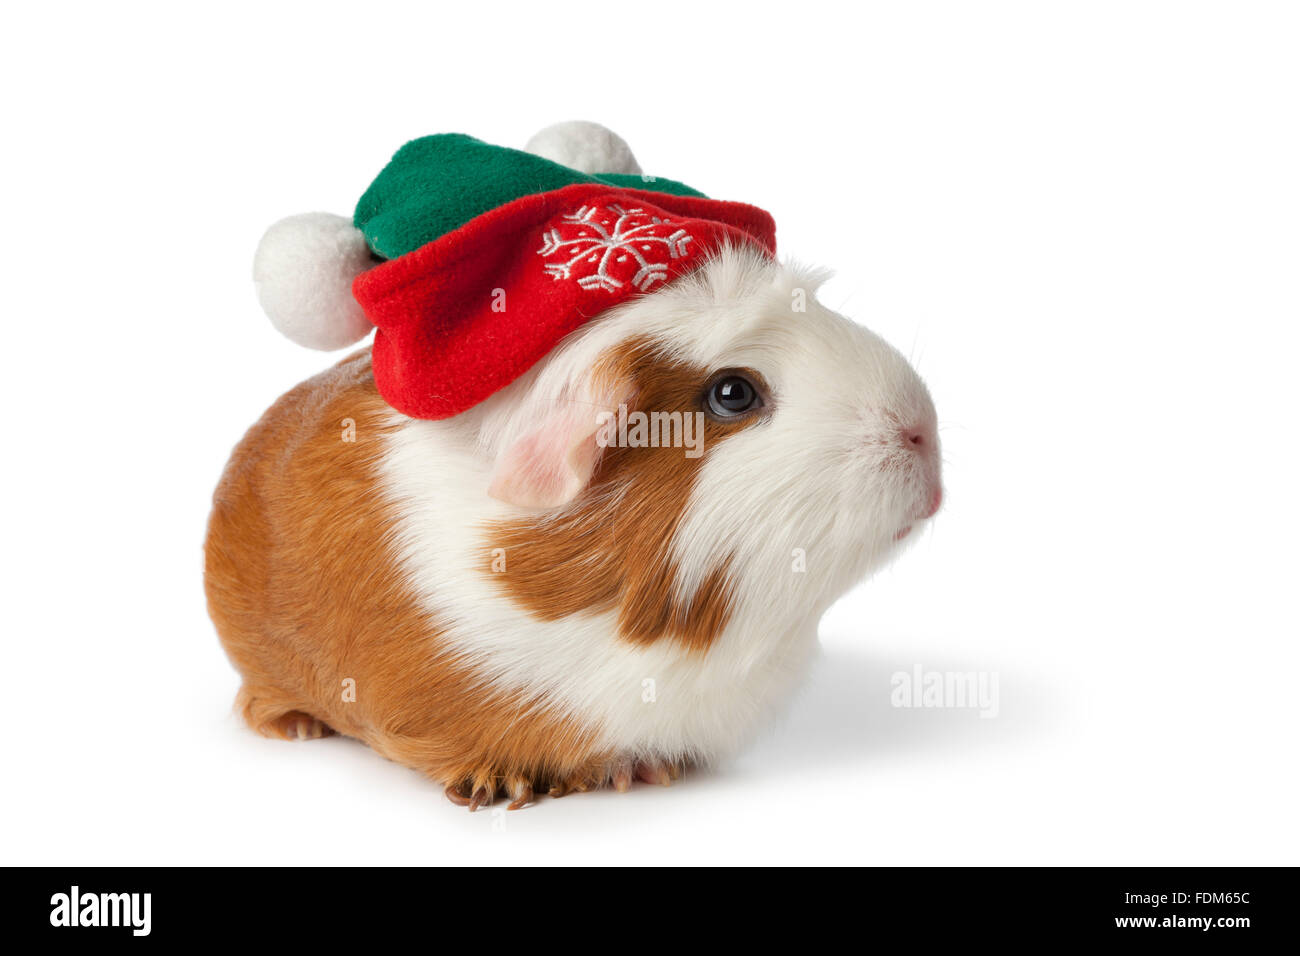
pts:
pixel 1178 906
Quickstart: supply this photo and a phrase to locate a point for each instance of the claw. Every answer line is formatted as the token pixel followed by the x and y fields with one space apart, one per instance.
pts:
pixel 654 772
pixel 622 777
pixel 296 726
pixel 520 790
pixel 455 796
pixel 482 798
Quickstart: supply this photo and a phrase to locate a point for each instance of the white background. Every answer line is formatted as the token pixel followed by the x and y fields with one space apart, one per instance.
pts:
pixel 1081 220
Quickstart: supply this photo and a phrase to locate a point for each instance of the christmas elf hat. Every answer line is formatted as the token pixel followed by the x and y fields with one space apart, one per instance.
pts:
pixel 472 261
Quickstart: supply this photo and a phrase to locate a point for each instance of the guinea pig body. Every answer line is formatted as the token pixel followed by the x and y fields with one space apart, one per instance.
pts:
pixel 538 594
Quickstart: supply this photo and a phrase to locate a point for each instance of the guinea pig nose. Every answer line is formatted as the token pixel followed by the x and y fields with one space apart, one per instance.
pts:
pixel 918 439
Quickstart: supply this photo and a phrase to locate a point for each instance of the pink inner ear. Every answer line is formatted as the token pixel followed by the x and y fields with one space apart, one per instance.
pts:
pixel 550 466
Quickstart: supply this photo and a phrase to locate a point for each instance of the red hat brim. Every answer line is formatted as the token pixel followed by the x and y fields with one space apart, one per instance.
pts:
pixel 466 314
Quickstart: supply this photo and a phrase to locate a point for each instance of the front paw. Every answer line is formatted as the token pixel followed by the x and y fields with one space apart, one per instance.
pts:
pixel 482 788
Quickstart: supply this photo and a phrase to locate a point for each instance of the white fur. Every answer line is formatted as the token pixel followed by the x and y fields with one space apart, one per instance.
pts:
pixel 586 147
pixel 826 473
pixel 303 272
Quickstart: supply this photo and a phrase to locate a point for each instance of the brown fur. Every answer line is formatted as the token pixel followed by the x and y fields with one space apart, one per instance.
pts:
pixel 306 593
pixel 608 551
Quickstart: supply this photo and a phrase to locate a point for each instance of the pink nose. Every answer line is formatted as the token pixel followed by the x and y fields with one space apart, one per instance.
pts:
pixel 920 439
pixel 923 440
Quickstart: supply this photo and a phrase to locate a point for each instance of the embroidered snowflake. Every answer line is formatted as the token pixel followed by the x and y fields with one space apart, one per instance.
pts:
pixel 604 243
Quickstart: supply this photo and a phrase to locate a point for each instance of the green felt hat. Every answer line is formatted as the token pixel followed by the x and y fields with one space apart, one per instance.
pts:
pixel 436 184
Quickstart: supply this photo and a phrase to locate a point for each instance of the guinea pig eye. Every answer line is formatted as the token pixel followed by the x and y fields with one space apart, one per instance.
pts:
pixel 732 395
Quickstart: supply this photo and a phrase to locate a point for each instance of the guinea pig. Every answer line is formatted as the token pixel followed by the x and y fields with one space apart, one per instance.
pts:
pixel 609 570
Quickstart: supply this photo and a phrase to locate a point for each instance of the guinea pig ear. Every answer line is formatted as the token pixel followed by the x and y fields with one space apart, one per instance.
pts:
pixel 551 465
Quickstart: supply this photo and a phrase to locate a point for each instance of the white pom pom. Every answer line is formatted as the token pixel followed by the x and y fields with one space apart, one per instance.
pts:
pixel 586 147
pixel 303 271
